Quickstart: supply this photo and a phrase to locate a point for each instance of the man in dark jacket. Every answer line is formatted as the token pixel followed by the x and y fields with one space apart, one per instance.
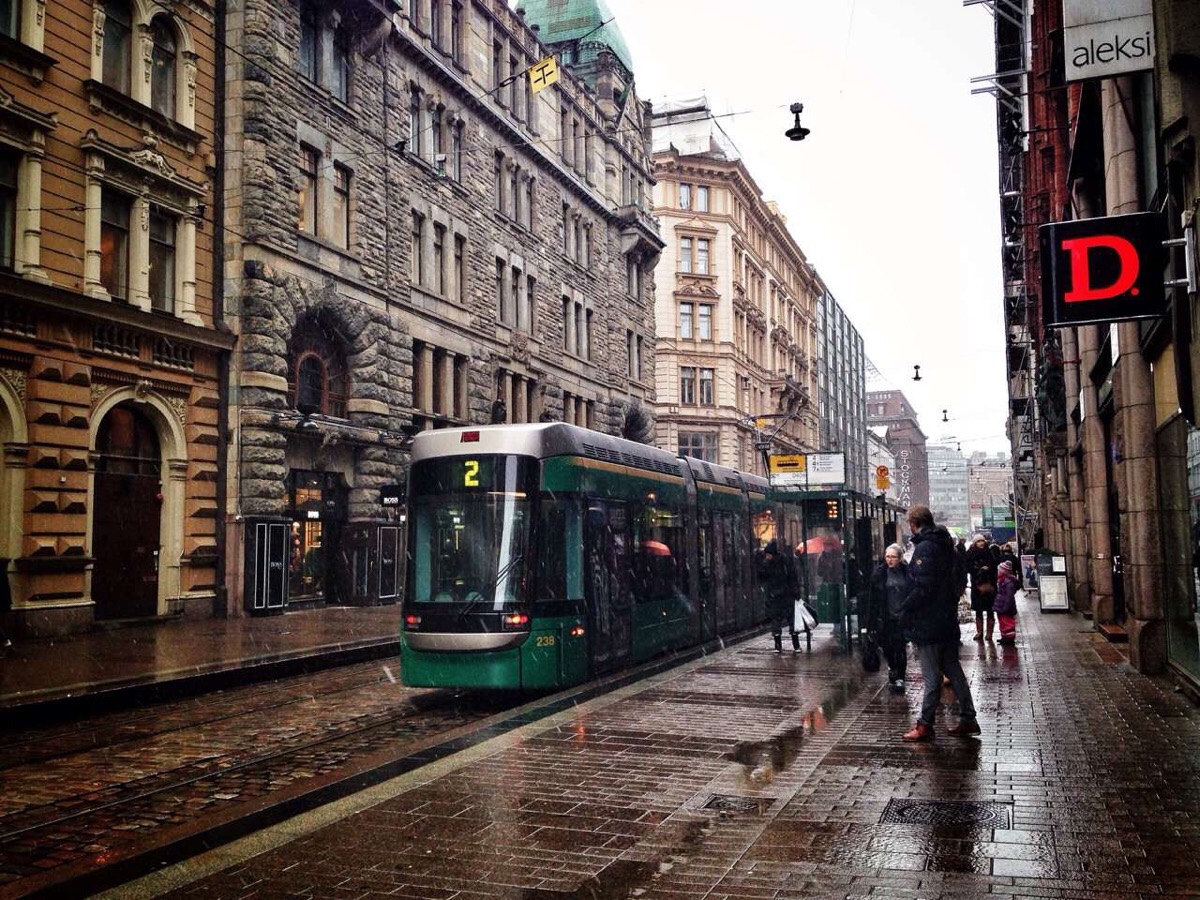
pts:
pixel 930 619
pixel 777 575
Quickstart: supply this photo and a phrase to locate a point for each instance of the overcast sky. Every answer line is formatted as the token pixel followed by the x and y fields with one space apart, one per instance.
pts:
pixel 893 197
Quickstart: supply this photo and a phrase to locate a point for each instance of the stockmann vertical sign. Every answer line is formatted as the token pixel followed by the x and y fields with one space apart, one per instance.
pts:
pixel 1102 38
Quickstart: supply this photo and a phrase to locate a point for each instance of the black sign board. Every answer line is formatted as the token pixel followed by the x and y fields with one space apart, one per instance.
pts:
pixel 391 495
pixel 1103 270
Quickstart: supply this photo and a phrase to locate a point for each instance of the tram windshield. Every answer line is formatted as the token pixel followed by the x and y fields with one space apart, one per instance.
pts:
pixel 470 521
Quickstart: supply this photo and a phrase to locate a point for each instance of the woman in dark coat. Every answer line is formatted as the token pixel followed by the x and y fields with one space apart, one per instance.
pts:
pixel 982 568
pixel 889 588
pixel 777 575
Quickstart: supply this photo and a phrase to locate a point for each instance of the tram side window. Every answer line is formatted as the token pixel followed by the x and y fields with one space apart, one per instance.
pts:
pixel 561 550
pixel 659 565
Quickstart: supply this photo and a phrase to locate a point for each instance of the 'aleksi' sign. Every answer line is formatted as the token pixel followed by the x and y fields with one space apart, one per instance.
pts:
pixel 1102 38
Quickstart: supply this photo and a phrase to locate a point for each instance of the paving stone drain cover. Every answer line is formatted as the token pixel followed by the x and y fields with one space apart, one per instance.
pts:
pixel 947 812
pixel 735 804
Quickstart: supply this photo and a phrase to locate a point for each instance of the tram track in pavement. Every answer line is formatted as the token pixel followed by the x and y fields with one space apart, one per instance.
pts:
pixel 106 835
pixel 93 803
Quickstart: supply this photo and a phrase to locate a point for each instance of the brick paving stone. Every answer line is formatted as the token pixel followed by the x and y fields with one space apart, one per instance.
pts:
pixel 1095 767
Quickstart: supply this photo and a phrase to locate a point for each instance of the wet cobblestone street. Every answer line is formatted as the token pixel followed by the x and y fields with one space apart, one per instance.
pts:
pixel 747 775
pixel 90 792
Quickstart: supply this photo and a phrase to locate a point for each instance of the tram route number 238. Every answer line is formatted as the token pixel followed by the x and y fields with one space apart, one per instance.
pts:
pixel 546 640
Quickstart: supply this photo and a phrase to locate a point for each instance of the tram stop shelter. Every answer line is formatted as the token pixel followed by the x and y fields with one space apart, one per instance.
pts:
pixel 837 535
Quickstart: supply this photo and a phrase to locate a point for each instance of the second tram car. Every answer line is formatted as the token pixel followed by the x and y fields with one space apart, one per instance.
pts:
pixel 542 555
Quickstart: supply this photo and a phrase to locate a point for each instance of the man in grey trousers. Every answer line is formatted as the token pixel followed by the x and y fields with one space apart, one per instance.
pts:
pixel 930 619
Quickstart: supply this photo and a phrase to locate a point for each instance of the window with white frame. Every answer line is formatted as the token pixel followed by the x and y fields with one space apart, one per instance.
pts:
pixel 325 49
pixel 310 45
pixel 118 42
pixel 114 243
pixel 685 196
pixel 456 31
pixel 707 387
pixel 568 318
pixel 436 28
pixel 687 385
pixel 140 232
pixel 10 18
pixel 162 227
pixel 701 198
pixel 437 131
pixel 700 445
pixel 633 348
pixel 414 121
pixel 686 321
pixel 341 205
pixel 163 77
pixel 529 305
pixel 439 257
pixel 9 163
pixel 685 254
pixel 702 256
pixel 339 68
pixel 456 150
pixel 24 21
pixel 310 162
pixel 163 57
pixel 460 268
pixel 704 316
pixel 416 267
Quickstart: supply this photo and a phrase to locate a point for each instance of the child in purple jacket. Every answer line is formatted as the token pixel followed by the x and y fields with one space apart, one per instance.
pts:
pixel 1005 604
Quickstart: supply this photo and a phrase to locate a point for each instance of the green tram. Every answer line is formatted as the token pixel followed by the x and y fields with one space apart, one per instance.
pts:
pixel 543 555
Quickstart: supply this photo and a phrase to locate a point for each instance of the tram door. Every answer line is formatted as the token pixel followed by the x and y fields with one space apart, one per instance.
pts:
pixel 127 504
pixel 609 598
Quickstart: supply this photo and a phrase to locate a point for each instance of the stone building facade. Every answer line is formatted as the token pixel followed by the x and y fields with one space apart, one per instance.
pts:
pixel 419 239
pixel 892 410
pixel 736 304
pixel 110 343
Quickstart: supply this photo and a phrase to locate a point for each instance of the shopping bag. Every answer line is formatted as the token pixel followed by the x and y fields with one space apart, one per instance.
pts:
pixel 803 617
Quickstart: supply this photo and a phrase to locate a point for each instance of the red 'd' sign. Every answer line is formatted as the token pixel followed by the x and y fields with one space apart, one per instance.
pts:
pixel 1103 270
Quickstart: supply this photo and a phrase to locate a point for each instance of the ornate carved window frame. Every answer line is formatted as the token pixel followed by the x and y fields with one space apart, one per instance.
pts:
pixel 146 175
pixel 23 129
pixel 136 106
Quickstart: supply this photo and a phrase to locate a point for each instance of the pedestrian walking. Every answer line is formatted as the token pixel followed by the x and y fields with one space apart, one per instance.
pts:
pixel 1008 553
pixel 982 569
pixel 930 617
pixel 1006 602
pixel 777 574
pixel 888 589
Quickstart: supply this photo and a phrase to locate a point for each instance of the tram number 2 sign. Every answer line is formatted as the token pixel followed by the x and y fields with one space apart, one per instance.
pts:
pixel 1103 270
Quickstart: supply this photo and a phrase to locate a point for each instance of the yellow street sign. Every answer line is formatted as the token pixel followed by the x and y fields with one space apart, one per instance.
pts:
pixel 543 73
pixel 782 462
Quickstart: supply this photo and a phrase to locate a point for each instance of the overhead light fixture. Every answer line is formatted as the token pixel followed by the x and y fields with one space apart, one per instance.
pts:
pixel 797 132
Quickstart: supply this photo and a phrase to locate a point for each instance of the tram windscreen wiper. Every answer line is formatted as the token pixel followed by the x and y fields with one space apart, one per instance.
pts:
pixel 481 596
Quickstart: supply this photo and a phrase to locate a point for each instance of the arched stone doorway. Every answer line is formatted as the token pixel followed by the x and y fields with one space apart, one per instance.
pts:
pixel 13 447
pixel 127 504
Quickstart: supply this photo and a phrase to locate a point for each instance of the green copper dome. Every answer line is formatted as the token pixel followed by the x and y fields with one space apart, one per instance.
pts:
pixel 565 21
